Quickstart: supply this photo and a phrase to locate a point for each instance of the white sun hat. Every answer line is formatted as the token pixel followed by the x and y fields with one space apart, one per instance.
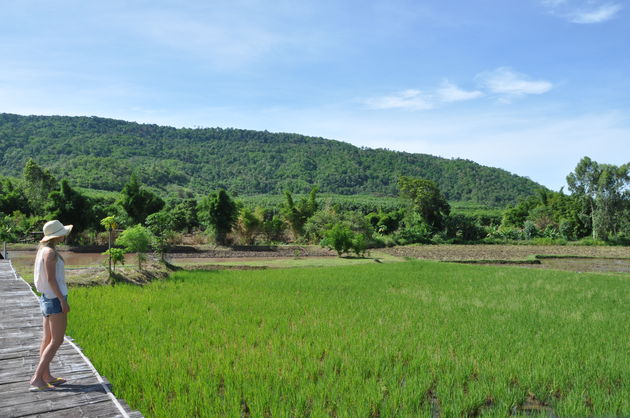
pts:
pixel 55 229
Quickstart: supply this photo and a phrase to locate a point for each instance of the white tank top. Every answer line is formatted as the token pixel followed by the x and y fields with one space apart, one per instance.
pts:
pixel 41 278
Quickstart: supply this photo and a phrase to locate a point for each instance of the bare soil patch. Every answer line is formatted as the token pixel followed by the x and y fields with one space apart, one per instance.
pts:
pixel 503 252
pixel 253 252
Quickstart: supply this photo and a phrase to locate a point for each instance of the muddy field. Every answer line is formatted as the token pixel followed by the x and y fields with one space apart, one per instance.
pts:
pixel 503 252
pixel 251 252
pixel 87 265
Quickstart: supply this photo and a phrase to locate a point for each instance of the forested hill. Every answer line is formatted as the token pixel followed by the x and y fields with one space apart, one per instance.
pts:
pixel 102 153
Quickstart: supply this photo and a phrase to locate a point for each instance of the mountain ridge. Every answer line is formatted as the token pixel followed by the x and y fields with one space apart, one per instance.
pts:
pixel 102 153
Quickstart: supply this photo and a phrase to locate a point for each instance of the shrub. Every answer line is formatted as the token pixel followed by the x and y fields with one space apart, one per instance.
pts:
pixel 161 226
pixel 463 228
pixel 117 256
pixel 566 229
pixel 530 231
pixel 413 231
pixel 359 245
pixel 273 229
pixel 248 225
pixel 136 239
pixel 589 241
pixel 339 238
pixel 504 233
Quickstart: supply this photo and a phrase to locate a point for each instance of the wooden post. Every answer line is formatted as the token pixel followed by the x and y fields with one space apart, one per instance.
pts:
pixel 4 250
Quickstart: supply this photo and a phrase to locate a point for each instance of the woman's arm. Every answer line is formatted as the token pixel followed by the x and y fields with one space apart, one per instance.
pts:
pixel 50 264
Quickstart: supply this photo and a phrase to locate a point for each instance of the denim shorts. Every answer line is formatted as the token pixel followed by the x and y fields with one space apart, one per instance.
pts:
pixel 50 306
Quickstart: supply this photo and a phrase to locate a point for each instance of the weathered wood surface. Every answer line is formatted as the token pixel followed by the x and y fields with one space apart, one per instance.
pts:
pixel 20 336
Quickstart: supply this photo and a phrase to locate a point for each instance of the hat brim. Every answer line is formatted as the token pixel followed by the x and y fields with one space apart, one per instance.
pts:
pixel 62 233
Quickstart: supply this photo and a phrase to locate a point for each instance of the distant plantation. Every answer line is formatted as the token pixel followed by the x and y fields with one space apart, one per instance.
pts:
pixel 100 153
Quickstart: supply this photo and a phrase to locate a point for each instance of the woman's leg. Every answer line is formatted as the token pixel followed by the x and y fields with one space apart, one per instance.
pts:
pixel 57 324
pixel 45 341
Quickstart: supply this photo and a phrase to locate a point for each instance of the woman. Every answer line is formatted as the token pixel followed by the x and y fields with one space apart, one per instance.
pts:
pixel 50 282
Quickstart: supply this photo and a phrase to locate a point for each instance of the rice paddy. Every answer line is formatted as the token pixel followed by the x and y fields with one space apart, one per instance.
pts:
pixel 415 338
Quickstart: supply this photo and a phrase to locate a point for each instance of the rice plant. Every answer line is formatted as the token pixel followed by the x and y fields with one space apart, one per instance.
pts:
pixel 403 339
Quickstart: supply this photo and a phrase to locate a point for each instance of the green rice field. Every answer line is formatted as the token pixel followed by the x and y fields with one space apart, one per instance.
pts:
pixel 415 338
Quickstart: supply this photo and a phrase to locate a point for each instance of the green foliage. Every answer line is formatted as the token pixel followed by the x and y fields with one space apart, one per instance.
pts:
pixel 516 216
pixel 69 207
pixel 248 225
pixel 296 214
pixel 463 228
pixel 324 219
pixel 139 202
pixel 203 160
pixel 184 215
pixel 385 223
pixel 413 230
pixel 339 238
pixel 6 231
pixel 38 183
pixel 359 245
pixel 530 231
pixel 21 225
pixel 161 226
pixel 342 203
pixel 12 198
pixel 484 215
pixel 136 239
pixel 426 199
pixel 272 225
pixel 220 212
pixel 115 255
pixel 110 223
pixel 604 191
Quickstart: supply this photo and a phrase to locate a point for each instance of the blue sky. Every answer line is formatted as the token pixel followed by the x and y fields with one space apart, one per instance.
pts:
pixel 530 86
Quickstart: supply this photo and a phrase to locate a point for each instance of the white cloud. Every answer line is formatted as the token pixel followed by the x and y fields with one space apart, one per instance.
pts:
pixel 406 99
pixel 412 99
pixel 583 11
pixel 600 14
pixel 449 92
pixel 225 41
pixel 509 83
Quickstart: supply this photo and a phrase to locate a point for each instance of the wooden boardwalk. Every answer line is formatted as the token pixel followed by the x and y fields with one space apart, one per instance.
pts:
pixel 86 394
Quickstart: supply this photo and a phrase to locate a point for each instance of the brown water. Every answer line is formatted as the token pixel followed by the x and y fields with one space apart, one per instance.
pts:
pixel 96 259
pixel 70 258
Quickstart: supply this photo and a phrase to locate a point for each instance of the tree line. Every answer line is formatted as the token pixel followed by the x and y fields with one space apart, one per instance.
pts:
pixel 596 211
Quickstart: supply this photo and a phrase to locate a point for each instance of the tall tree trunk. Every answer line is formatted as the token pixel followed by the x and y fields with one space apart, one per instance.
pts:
pixel 109 250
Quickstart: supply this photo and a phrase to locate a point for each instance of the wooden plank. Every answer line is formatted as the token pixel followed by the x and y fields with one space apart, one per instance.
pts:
pixel 74 387
pixel 52 401
pixel 73 378
pixel 100 409
pixel 20 338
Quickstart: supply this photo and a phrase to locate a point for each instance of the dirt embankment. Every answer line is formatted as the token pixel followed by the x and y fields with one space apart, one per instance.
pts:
pixel 502 252
pixel 250 252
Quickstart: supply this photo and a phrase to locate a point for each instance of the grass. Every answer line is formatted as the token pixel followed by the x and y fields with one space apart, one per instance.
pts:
pixel 398 339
